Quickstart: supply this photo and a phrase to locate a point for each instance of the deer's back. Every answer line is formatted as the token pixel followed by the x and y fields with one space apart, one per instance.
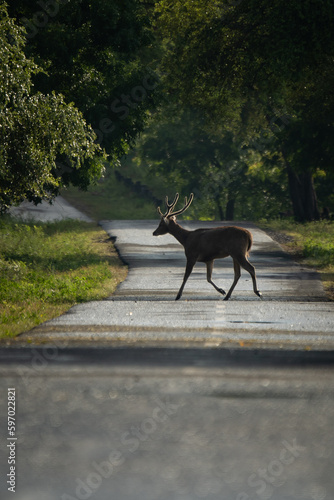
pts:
pixel 219 242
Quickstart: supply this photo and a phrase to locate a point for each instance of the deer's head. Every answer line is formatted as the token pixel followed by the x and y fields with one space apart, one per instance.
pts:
pixel 169 217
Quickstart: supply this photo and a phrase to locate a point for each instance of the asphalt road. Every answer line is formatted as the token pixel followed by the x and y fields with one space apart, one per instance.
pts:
pixel 44 212
pixel 168 424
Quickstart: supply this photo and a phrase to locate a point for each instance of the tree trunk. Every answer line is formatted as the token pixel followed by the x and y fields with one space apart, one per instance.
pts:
pixel 294 190
pixel 303 195
pixel 230 209
pixel 220 208
pixel 301 188
pixel 311 202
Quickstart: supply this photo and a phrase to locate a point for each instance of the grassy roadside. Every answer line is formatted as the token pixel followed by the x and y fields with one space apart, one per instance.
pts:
pixel 110 200
pixel 45 268
pixel 311 243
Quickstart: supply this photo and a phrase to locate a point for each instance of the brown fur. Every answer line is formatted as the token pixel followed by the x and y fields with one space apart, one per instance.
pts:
pixel 206 245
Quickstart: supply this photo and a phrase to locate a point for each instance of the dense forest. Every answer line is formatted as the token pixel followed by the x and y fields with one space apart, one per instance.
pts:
pixel 228 99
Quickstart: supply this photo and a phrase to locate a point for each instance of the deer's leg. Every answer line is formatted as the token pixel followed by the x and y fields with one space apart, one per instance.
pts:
pixel 209 268
pixel 251 269
pixel 189 268
pixel 237 275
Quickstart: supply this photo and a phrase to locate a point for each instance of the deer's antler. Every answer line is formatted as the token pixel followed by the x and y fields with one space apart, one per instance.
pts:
pixel 186 205
pixel 171 206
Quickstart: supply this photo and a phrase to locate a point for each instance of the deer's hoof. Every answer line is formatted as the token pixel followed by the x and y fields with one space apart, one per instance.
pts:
pixel 259 294
pixel 227 297
pixel 220 290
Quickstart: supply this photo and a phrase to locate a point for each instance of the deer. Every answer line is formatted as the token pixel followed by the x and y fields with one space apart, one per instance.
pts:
pixel 206 245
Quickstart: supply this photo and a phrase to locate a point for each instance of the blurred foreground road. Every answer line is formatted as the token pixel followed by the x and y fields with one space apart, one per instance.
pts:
pixel 169 424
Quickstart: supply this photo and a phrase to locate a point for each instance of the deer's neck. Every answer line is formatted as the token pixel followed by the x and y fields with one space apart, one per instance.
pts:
pixel 178 232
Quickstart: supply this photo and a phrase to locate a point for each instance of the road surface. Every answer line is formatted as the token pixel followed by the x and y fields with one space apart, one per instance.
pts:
pixel 168 424
pixel 44 212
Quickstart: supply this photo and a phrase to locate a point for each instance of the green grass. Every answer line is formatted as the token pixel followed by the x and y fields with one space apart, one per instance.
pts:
pixel 110 200
pixel 45 268
pixel 311 243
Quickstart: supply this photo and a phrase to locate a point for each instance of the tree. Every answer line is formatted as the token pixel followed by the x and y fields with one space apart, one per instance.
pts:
pixel 44 140
pixel 244 63
pixel 224 177
pixel 97 53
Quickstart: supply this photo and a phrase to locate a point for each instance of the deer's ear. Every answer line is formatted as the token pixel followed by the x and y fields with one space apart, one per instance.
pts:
pixel 166 220
pixel 173 218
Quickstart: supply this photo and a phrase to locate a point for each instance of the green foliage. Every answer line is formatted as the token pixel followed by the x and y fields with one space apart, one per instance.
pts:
pixel 240 47
pixel 224 177
pixel 15 70
pixel 246 64
pixel 98 55
pixel 249 114
pixel 42 138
